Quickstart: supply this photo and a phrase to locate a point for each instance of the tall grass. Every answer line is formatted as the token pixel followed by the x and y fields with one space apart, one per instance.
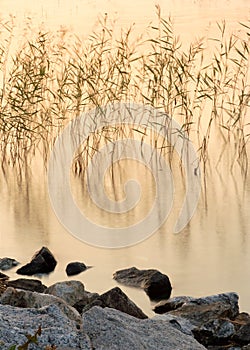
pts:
pixel 52 77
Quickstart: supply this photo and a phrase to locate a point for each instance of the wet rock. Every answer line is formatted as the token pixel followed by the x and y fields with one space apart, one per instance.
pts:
pixel 27 299
pixel 33 285
pixel 42 262
pixel 74 268
pixel 154 283
pixel 111 329
pixel 57 328
pixel 70 291
pixel 116 299
pixel 7 263
pixel 172 304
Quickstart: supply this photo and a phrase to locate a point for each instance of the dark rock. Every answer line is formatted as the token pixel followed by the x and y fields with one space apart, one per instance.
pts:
pixel 3 277
pixel 214 332
pixel 202 310
pixel 240 320
pixel 230 346
pixel 27 284
pixel 169 305
pixel 7 263
pixel 242 336
pixel 42 262
pixel 201 314
pixel 154 283
pixel 86 299
pixel 116 299
pixel 74 268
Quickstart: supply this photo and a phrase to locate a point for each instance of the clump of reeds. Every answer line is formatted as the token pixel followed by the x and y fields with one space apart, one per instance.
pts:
pixel 55 76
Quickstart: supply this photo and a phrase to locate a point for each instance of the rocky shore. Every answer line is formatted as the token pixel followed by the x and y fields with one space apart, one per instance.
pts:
pixel 65 316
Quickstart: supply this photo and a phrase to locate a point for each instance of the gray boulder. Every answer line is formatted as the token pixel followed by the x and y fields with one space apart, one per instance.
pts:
pixel 57 328
pixel 42 262
pixel 7 263
pixel 27 299
pixel 156 285
pixel 116 299
pixel 70 291
pixel 110 329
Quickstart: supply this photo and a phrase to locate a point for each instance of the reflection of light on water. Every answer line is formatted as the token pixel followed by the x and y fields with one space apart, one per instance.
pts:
pixel 190 18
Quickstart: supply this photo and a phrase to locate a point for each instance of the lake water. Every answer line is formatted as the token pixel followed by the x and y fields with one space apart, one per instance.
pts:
pixel 210 255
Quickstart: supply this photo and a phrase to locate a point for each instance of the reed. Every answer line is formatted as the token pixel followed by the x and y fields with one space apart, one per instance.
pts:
pixel 52 77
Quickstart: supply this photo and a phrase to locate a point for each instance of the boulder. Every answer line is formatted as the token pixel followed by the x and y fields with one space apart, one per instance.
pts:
pixel 116 299
pixel 110 329
pixel 202 310
pixel 7 263
pixel 27 299
pixel 33 285
pixel 154 283
pixel 70 291
pixel 210 319
pixel 74 268
pixel 42 262
pixel 56 328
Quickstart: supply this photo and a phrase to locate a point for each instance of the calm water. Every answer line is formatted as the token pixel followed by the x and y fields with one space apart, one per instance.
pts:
pixel 211 255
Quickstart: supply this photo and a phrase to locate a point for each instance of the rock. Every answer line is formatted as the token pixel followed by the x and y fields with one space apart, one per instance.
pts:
pixel 57 328
pixel 242 336
pixel 218 331
pixel 42 262
pixel 154 283
pixel 116 299
pixel 70 291
pixel 172 304
pixel 182 324
pixel 7 263
pixel 27 299
pixel 210 319
pixel 3 277
pixel 110 329
pixel 33 285
pixel 87 298
pixel 202 310
pixel 74 268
